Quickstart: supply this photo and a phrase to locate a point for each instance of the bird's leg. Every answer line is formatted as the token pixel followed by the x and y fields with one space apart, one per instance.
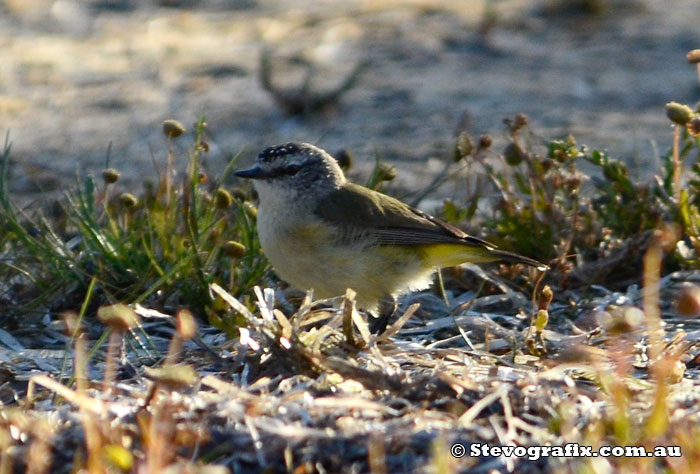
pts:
pixel 443 293
pixel 387 308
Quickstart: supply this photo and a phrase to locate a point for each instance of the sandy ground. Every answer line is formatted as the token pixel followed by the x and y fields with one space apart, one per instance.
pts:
pixel 76 76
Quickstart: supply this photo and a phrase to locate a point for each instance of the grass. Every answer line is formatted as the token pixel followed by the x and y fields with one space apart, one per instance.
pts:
pixel 176 360
pixel 162 246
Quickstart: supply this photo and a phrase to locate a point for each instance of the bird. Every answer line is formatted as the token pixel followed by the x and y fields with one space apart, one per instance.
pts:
pixel 322 232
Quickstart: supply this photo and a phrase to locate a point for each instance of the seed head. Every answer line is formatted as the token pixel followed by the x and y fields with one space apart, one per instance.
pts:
pixel 119 317
pixel 688 302
pixel 223 199
pixel 464 147
pixel 173 128
pixel 234 249
pixel 694 126
pixel 186 325
pixel 238 193
pixel 548 164
pixel 520 121
pixel 546 297
pixel 485 141
pixel 693 56
pixel 386 172
pixel 513 154
pixel 128 200
pixel 250 210
pixel 110 175
pixel 679 113
pixel 344 158
pixel 71 321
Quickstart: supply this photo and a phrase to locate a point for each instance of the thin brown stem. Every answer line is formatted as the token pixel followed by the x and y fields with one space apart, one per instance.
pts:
pixel 173 350
pixel 650 296
pixel 676 164
pixel 113 345
pixel 79 361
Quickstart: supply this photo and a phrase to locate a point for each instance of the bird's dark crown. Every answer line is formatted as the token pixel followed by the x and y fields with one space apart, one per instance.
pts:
pixel 271 154
pixel 303 162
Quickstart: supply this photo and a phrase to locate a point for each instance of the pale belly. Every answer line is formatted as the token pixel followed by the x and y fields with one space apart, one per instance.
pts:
pixel 307 256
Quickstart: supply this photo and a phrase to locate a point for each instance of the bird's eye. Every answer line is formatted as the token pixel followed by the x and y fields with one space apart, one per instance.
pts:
pixel 289 170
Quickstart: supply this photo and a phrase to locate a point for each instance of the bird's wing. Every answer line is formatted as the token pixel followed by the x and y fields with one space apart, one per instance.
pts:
pixel 361 213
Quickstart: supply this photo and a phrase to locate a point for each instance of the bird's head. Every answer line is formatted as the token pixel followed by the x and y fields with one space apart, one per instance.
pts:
pixel 297 168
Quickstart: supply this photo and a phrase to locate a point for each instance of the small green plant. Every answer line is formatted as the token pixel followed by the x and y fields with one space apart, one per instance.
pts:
pixel 164 245
pixel 549 209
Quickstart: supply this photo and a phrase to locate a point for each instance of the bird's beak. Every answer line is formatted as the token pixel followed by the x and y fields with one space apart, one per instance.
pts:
pixel 253 173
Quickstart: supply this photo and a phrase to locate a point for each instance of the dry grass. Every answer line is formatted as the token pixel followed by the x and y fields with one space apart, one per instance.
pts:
pixel 295 393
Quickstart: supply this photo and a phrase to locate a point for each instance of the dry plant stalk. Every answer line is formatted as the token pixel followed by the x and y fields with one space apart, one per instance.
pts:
pixel 376 453
pixel 93 436
pixel 348 307
pixel 650 292
pixel 676 163
pixel 113 348
pixel 5 458
pixel 661 363
pixel 40 451
pixel 186 328
pixel 120 319
pixel 161 431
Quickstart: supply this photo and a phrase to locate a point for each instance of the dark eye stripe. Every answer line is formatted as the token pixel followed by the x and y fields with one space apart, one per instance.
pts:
pixel 289 170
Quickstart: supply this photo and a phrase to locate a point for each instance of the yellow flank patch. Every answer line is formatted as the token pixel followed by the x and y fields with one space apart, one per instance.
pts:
pixel 310 231
pixel 448 255
pixel 311 235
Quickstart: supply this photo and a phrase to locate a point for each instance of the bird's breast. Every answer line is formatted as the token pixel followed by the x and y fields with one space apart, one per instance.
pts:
pixel 293 242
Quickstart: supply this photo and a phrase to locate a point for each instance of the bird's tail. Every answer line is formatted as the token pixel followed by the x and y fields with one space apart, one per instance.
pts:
pixel 515 258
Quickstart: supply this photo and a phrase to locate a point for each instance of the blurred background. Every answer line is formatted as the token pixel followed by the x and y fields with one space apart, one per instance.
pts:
pixel 380 78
